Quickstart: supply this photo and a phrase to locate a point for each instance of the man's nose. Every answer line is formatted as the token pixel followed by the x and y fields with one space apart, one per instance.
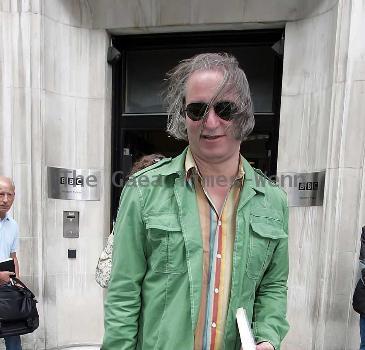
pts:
pixel 211 119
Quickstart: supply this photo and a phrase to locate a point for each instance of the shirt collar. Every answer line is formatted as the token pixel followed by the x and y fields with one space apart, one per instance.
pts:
pixel 191 168
pixel 6 218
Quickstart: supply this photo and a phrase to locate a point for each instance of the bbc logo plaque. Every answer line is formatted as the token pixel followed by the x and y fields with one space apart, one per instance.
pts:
pixel 73 184
pixel 304 189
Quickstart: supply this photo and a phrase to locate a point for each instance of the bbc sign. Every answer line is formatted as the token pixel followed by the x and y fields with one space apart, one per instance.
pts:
pixel 304 189
pixel 308 186
pixel 73 184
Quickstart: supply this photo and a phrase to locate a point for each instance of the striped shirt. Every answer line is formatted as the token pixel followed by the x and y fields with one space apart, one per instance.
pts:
pixel 218 234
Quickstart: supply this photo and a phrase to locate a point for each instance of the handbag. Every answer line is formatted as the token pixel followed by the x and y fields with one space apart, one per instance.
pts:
pixel 104 266
pixel 18 311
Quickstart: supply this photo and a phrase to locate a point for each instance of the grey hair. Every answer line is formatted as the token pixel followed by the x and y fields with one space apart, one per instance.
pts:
pixel 5 179
pixel 234 81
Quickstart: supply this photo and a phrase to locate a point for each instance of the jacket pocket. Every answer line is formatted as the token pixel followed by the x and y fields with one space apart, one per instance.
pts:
pixel 167 244
pixel 265 232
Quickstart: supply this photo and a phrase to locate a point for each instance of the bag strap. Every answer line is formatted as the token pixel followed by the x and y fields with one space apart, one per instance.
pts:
pixel 18 281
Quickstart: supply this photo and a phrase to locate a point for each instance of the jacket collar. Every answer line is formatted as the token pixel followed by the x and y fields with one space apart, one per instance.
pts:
pixel 175 165
pixel 253 180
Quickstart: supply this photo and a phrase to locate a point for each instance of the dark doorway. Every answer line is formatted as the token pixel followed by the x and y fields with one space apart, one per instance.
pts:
pixel 139 119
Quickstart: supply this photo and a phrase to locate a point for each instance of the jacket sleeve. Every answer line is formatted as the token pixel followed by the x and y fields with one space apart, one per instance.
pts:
pixel 269 317
pixel 123 302
pixel 362 248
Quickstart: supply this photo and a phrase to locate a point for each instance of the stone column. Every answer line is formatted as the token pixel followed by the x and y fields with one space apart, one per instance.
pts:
pixel 323 128
pixel 21 141
pixel 55 111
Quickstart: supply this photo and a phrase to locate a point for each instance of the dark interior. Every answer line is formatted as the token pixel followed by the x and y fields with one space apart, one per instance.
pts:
pixel 139 117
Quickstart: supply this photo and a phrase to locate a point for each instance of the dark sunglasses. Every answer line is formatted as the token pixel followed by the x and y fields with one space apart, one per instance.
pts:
pixel 225 110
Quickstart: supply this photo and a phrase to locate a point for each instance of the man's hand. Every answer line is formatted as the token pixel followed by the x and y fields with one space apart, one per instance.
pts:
pixel 264 346
pixel 5 276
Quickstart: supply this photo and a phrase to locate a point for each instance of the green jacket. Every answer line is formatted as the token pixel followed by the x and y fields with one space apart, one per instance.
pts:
pixel 154 293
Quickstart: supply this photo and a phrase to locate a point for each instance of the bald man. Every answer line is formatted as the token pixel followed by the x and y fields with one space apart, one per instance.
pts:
pixel 9 239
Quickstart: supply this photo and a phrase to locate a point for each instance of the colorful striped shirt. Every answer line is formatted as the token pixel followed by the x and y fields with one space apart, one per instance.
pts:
pixel 218 234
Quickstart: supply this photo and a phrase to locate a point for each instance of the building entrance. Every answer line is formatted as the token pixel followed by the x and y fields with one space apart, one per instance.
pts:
pixel 139 117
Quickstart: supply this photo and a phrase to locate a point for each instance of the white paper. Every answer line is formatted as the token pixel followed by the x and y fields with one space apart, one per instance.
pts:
pixel 247 341
pixel 6 260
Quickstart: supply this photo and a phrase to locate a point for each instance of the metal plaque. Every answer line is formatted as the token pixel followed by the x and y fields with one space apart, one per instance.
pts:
pixel 75 184
pixel 71 224
pixel 303 189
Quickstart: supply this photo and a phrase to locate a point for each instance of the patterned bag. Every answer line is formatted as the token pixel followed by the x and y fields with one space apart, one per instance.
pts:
pixel 102 273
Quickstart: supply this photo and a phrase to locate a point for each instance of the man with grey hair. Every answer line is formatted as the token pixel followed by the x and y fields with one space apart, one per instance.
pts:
pixel 9 240
pixel 209 237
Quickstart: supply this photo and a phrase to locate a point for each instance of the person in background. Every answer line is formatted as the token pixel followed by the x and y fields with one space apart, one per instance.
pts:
pixel 9 241
pixel 201 235
pixel 103 268
pixel 358 301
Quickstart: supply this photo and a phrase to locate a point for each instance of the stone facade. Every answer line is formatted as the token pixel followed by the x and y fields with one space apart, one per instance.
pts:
pixel 55 110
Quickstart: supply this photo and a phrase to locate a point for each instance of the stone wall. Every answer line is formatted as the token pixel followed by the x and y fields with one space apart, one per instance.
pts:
pixel 55 110
pixel 322 128
pixel 76 116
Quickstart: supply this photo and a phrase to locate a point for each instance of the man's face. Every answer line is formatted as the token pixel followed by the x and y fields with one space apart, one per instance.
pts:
pixel 6 197
pixel 210 139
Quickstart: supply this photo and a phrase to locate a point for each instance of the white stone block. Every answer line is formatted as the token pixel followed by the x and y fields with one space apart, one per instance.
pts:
pixel 308 58
pixel 303 139
pixel 5 6
pixel 60 130
pixel 18 40
pixel 122 14
pixel 23 201
pixel 89 119
pixel 27 254
pixel 99 42
pixel 36 68
pixel 172 12
pixel 76 13
pixel 50 57
pixel 77 322
pixel 357 42
pixel 6 49
pixel 75 60
pixel 6 128
pixel 336 124
pixel 261 10
pixel 305 258
pixel 62 50
pixel 22 121
pixel 50 311
pixel 347 232
pixel 353 132
pixel 335 336
pixel 216 11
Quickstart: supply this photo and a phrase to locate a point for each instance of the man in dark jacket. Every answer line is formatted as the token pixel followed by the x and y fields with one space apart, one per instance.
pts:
pixel 362 269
